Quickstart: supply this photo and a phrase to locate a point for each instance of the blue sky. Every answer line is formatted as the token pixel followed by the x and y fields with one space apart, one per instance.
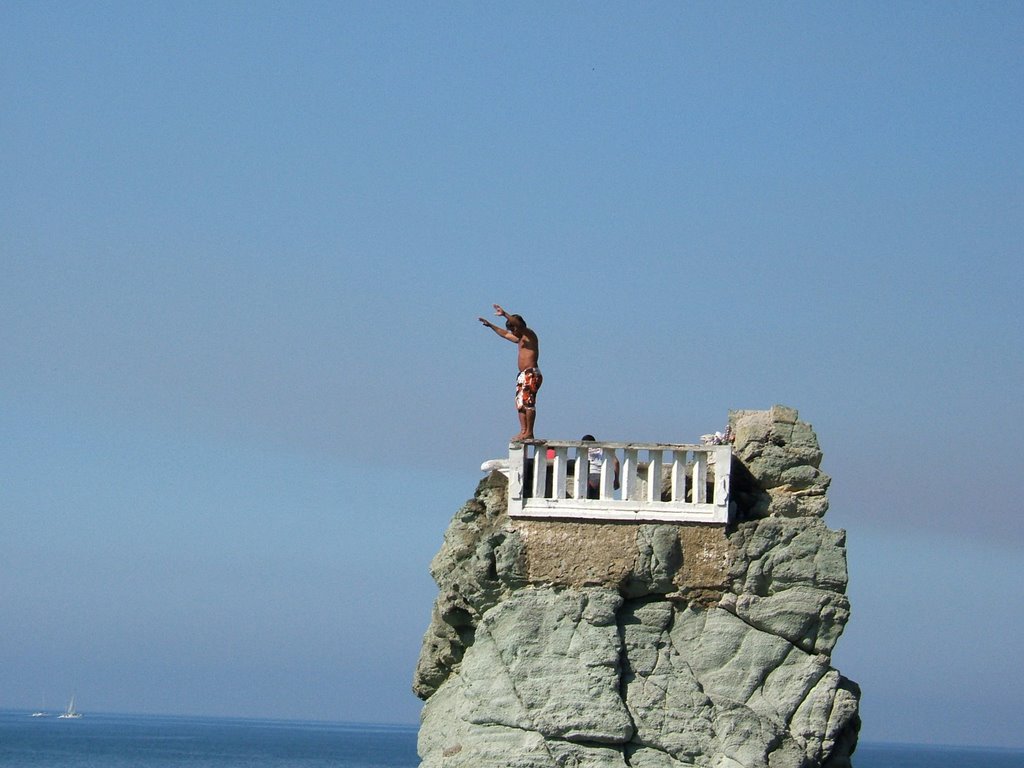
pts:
pixel 243 387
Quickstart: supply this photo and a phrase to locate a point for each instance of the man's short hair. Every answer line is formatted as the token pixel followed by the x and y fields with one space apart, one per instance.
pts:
pixel 515 320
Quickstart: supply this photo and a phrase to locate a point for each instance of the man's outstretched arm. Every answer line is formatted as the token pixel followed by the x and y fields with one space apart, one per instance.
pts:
pixel 505 334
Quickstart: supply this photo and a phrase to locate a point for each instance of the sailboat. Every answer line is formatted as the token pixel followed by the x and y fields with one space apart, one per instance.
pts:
pixel 70 714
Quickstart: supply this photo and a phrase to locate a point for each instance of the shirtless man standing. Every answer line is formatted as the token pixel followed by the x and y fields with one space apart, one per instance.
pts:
pixel 530 379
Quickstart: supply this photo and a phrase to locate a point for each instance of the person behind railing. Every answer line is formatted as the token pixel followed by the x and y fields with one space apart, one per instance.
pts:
pixel 595 460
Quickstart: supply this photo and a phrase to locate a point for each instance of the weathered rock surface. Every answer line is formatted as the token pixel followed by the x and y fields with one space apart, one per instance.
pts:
pixel 657 646
pixel 778 457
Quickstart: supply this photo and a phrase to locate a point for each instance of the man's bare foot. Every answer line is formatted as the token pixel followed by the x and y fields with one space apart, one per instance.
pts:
pixel 518 438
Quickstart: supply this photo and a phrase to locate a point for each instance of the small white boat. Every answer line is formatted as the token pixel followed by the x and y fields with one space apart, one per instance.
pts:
pixel 42 712
pixel 71 713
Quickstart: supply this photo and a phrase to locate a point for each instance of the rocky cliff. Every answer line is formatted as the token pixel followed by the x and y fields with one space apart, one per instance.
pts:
pixel 655 646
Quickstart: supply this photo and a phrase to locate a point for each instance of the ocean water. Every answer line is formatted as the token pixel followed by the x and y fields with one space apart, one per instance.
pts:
pixel 123 741
pixel 870 755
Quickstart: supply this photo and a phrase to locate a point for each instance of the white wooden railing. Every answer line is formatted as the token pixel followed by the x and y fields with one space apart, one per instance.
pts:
pixel 657 482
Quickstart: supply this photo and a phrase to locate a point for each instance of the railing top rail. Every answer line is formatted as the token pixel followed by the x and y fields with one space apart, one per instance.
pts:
pixel 614 445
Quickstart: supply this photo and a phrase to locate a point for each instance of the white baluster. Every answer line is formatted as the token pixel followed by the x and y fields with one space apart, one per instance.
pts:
pixel 723 469
pixel 607 473
pixel 700 477
pixel 540 470
pixel 560 462
pixel 679 475
pixel 654 475
pixel 628 477
pixel 579 476
pixel 516 459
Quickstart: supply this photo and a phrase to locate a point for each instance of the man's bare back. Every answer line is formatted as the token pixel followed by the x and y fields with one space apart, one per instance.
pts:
pixel 530 378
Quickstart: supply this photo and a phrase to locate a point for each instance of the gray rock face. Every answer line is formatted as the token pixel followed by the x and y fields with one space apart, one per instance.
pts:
pixel 778 457
pixel 534 658
pixel 789 579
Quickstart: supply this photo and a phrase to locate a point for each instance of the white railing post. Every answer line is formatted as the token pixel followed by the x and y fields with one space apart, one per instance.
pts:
pixel 653 476
pixel 579 475
pixel 607 473
pixel 723 471
pixel 628 478
pixel 540 470
pixel 516 465
pixel 700 477
pixel 560 464
pixel 678 475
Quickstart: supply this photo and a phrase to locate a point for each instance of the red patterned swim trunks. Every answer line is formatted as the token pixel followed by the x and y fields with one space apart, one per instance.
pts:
pixel 527 384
